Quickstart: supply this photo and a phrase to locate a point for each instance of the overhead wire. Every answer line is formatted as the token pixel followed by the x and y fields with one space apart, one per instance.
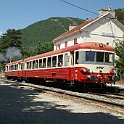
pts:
pixel 89 12
pixel 79 7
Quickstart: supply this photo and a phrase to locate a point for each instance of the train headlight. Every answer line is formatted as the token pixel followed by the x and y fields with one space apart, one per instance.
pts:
pixel 84 70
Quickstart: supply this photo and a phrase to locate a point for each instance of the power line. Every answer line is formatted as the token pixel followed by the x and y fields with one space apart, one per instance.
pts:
pixel 79 7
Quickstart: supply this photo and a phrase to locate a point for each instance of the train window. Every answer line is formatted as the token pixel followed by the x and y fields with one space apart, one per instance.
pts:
pixel 76 57
pixel 72 57
pixel 10 67
pixel 60 60
pixel 16 67
pixel 22 66
pixel 49 62
pixel 35 64
pixel 13 67
pixel 66 59
pixel 40 63
pixel 6 68
pixel 109 57
pixel 28 65
pixel 90 55
pixel 54 61
pixel 44 62
pixel 99 56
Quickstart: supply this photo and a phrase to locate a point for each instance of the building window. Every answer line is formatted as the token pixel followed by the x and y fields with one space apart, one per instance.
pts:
pixel 75 41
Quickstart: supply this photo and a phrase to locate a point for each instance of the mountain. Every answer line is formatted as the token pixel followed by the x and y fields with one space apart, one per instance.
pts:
pixel 47 30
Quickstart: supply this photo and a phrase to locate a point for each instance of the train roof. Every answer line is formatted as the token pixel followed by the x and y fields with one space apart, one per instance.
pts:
pixel 86 45
pixel 19 61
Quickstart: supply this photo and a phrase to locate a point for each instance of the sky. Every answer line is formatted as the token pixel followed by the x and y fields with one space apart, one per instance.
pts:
pixel 19 14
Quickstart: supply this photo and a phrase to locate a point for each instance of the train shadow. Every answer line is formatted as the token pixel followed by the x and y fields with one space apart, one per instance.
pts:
pixel 17 106
pixel 93 89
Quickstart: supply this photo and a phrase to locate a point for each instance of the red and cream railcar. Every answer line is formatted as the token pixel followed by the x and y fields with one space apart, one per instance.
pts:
pixel 89 62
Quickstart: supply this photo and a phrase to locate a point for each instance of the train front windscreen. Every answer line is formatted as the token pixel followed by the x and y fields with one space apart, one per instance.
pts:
pixel 96 57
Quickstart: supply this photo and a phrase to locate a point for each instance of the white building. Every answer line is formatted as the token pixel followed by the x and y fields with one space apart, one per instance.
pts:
pixel 104 29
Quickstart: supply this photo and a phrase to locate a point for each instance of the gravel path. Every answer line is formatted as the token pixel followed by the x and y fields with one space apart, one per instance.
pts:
pixel 24 105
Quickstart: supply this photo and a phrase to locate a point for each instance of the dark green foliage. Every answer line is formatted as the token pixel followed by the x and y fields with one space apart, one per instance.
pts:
pixel 120 52
pixel 46 30
pixel 120 15
pixel 38 49
pixel 10 39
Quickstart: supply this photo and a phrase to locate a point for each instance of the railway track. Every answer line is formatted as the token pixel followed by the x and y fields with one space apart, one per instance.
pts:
pixel 112 96
pixel 106 99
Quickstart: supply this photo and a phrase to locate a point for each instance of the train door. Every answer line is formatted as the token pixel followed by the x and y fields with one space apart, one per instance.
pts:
pixel 18 70
pixel 72 70
pixel 72 58
pixel 66 59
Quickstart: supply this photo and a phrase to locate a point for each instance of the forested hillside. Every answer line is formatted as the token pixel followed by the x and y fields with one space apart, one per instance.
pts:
pixel 47 30
pixel 120 15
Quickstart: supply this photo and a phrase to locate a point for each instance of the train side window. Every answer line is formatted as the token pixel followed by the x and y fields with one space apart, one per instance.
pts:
pixel 16 67
pixel 13 67
pixel 40 63
pixel 10 67
pixel 49 62
pixel 66 59
pixel 33 65
pixel 27 65
pixel 44 62
pixel 76 57
pixel 72 57
pixel 6 68
pixel 109 57
pixel 30 65
pixel 54 61
pixel 60 60
pixel 36 63
pixel 22 66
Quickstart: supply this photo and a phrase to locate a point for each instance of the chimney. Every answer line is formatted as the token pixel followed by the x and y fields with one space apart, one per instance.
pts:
pixel 103 12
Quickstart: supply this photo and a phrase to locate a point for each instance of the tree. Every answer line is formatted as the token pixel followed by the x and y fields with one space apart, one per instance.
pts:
pixel 44 47
pixel 120 53
pixel 11 38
